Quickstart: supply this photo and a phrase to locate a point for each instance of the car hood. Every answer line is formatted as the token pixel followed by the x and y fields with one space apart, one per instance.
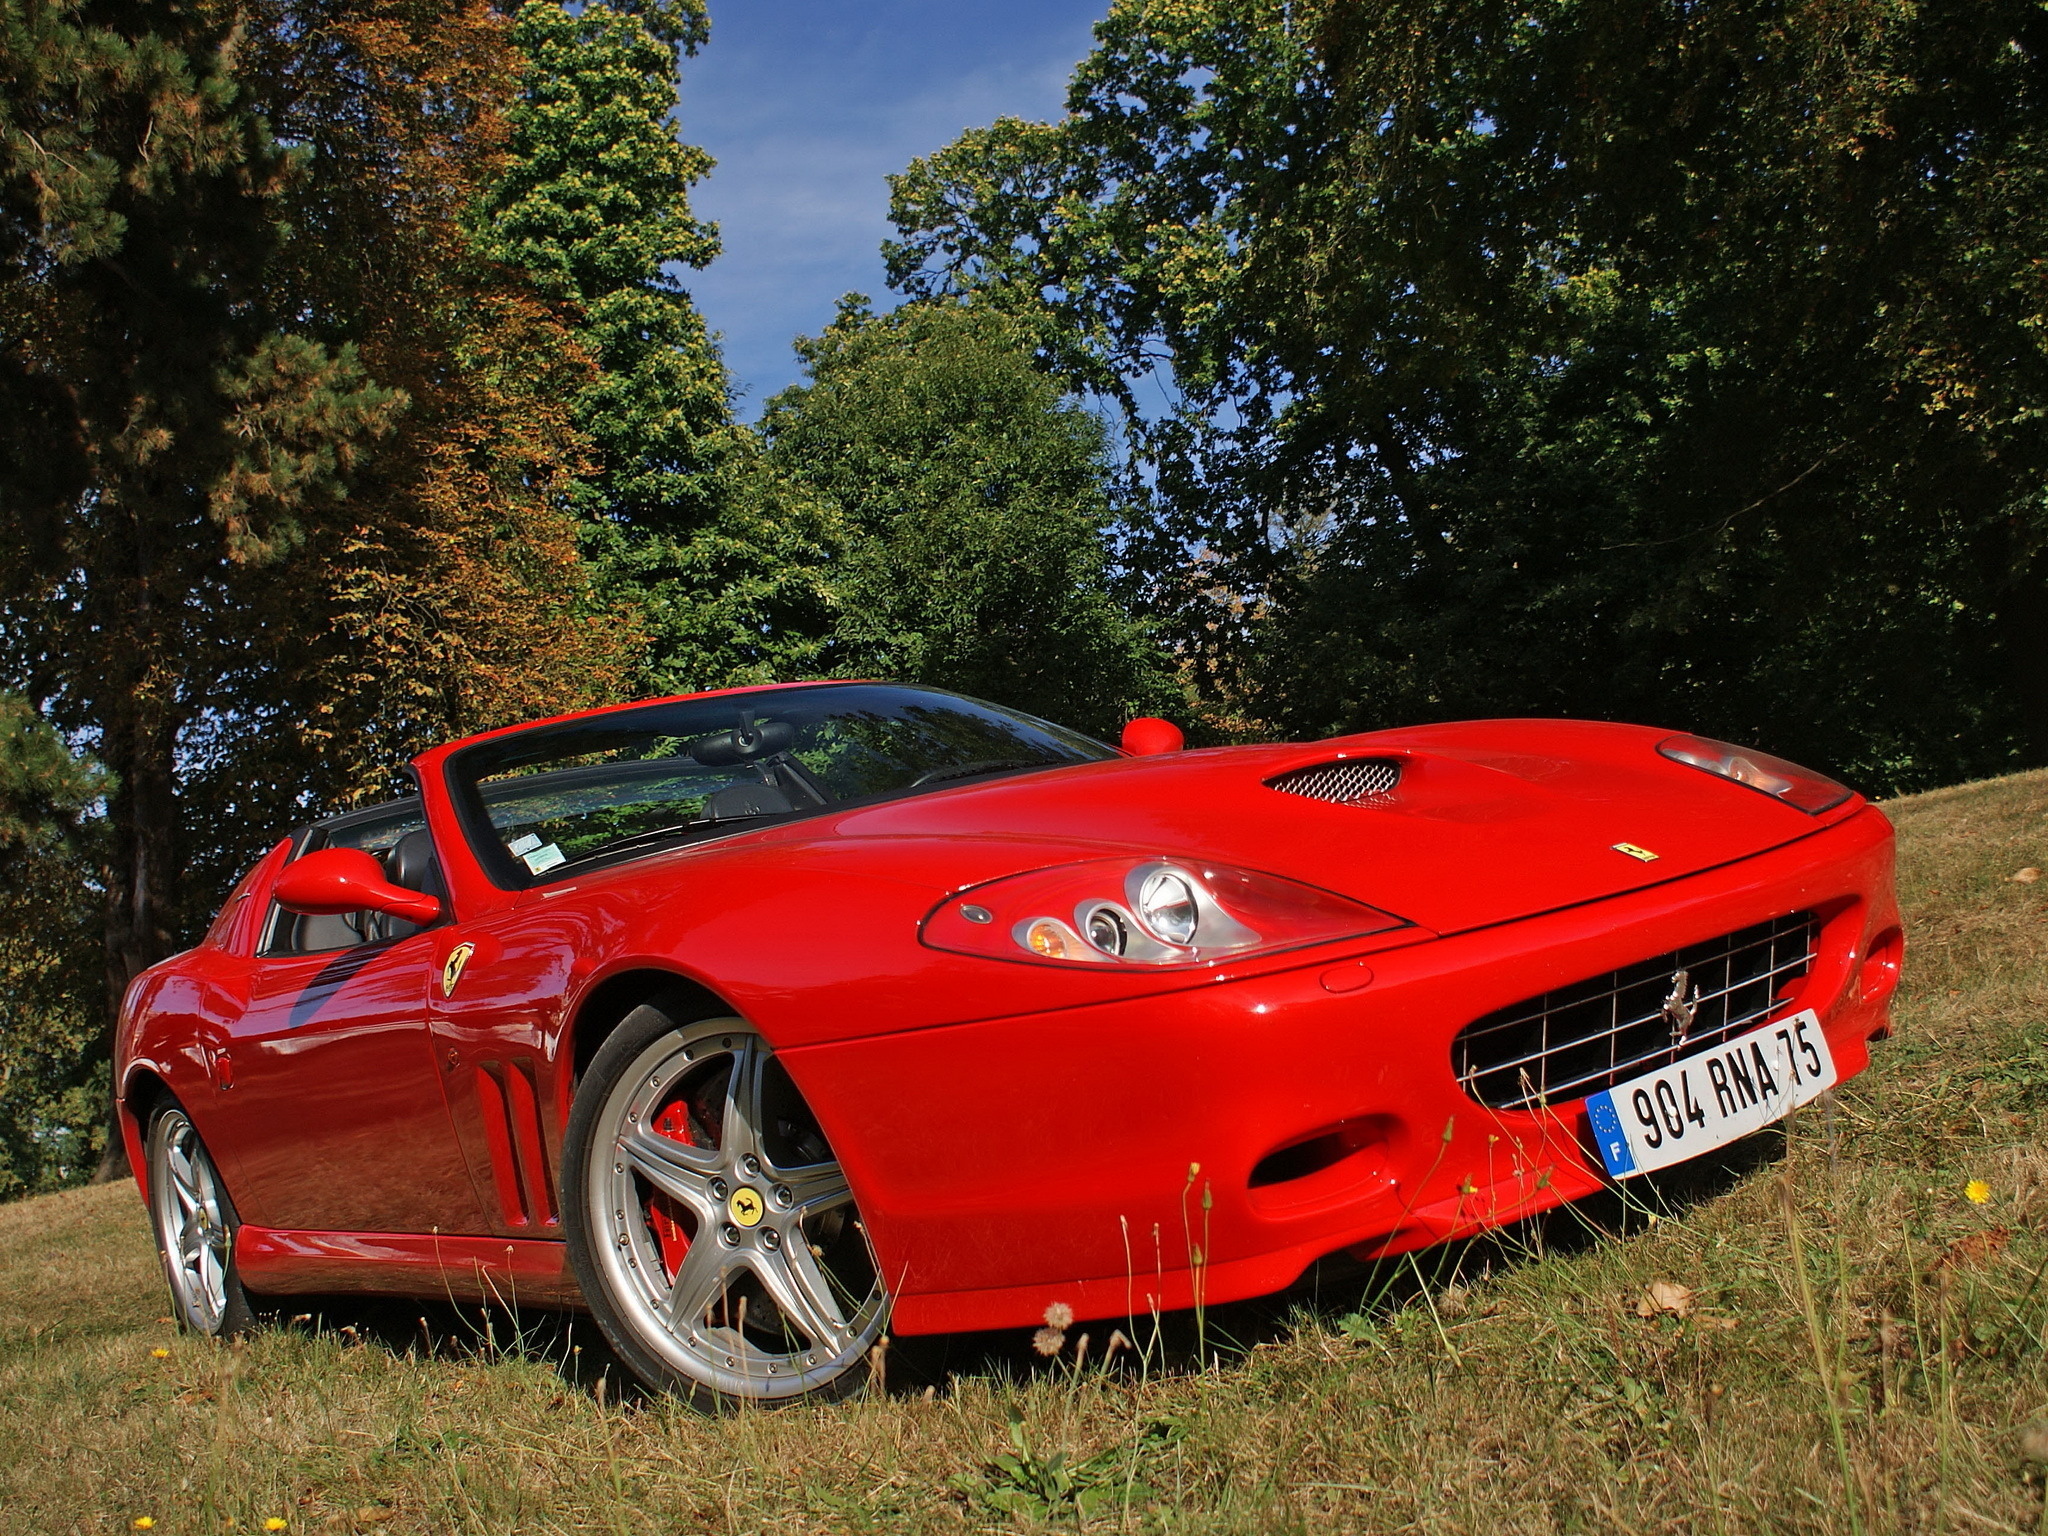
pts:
pixel 1490 820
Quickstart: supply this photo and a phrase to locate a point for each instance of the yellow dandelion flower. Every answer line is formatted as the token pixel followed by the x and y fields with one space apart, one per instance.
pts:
pixel 145 1522
pixel 159 1354
pixel 275 1524
pixel 1976 1192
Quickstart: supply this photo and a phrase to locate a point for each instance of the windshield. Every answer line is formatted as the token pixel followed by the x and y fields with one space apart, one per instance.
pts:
pixel 542 804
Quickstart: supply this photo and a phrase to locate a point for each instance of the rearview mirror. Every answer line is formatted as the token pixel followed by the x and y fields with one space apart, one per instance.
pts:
pixel 751 741
pixel 332 881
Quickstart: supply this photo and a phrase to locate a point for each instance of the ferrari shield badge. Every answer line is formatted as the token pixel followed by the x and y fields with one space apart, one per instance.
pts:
pixel 745 1206
pixel 451 973
pixel 1635 852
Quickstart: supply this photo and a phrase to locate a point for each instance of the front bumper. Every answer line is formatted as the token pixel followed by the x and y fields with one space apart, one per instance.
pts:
pixel 1104 1156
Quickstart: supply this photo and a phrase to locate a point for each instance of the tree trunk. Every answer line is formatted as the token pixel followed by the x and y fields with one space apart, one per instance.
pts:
pixel 142 814
pixel 139 739
pixel 2023 624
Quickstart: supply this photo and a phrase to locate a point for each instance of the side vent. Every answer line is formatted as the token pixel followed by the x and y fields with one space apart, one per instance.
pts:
pixel 511 1119
pixel 1353 781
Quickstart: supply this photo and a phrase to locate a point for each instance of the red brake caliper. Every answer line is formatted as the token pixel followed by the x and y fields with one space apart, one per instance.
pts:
pixel 664 1214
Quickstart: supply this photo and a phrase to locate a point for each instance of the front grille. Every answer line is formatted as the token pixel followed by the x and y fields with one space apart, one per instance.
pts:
pixel 1605 1030
pixel 1354 781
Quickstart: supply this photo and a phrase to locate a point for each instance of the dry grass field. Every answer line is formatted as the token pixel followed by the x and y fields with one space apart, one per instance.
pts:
pixel 1834 1338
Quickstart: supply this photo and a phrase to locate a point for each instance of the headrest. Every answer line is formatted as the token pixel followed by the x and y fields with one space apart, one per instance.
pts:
pixel 411 863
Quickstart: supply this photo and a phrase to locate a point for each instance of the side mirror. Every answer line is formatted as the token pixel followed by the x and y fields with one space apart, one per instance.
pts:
pixel 331 881
pixel 1148 736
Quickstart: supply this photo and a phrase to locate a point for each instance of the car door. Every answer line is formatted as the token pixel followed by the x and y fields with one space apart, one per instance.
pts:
pixel 340 1123
pixel 496 1014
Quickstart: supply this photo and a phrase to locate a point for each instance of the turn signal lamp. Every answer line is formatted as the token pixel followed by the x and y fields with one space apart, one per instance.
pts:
pixel 1145 912
pixel 1800 788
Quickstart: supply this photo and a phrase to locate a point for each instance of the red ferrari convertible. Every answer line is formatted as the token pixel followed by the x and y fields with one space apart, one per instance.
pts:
pixel 752 1020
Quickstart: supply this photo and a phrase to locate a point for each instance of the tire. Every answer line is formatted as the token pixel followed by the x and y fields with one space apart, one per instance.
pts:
pixel 195 1226
pixel 711 1230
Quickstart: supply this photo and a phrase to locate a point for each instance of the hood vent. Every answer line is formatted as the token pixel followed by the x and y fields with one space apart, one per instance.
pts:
pixel 1353 781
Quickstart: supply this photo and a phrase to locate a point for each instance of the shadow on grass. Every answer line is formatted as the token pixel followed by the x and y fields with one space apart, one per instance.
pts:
pixel 568 1343
pixel 572 1345
pixel 1342 1287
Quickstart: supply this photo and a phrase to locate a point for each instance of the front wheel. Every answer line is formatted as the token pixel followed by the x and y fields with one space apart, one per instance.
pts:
pixel 195 1227
pixel 711 1229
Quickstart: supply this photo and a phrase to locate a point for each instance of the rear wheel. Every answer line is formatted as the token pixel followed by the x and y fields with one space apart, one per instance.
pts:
pixel 712 1230
pixel 195 1227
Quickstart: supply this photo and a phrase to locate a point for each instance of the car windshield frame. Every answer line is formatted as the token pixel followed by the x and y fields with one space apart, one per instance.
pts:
pixel 483 776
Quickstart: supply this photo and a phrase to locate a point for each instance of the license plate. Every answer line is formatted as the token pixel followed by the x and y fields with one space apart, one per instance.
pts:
pixel 1711 1097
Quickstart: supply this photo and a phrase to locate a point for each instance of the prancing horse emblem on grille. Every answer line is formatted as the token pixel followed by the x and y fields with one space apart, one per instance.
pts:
pixel 1680 1010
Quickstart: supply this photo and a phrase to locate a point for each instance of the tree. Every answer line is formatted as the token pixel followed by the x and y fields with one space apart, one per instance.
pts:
pixel 594 205
pixel 454 596
pixel 53 1089
pixel 177 429
pixel 1672 361
pixel 289 460
pixel 975 503
pixel 676 512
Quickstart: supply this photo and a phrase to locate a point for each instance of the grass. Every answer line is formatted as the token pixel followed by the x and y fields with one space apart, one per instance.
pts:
pixel 1833 1339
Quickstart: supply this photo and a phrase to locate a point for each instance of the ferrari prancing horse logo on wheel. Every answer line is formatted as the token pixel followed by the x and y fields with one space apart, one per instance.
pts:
pixel 745 1206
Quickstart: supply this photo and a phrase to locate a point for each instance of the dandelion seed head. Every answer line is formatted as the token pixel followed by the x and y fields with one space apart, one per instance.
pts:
pixel 1059 1315
pixel 1048 1341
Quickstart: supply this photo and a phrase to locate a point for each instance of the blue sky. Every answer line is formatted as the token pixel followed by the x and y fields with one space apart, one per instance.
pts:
pixel 808 106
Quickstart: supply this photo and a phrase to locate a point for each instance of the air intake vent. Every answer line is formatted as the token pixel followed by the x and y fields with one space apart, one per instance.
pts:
pixel 1355 781
pixel 1579 1039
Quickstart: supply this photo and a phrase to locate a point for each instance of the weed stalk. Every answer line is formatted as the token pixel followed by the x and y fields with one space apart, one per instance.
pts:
pixel 1824 1360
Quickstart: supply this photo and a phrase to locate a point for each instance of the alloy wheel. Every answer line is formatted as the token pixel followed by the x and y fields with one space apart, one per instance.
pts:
pixel 192 1220
pixel 725 1231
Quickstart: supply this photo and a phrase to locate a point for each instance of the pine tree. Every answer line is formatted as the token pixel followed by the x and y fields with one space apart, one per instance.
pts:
pixel 178 428
pixel 288 461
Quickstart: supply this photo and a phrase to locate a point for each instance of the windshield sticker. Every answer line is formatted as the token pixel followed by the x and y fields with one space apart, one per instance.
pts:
pixel 520 847
pixel 541 860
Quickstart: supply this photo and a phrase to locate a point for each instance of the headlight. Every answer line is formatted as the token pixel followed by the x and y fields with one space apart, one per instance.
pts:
pixel 1107 931
pixel 1800 788
pixel 1144 912
pixel 1166 905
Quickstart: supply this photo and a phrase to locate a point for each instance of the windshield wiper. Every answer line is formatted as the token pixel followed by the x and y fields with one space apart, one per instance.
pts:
pixel 634 839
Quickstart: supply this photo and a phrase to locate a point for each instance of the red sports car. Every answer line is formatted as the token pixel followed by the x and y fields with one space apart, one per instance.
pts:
pixel 750 1020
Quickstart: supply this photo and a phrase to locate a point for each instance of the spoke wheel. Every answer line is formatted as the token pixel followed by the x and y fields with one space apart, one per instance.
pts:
pixel 195 1227
pixel 714 1234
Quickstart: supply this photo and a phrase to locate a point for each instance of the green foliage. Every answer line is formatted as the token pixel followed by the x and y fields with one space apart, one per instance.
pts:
pixel 53 1086
pixel 1673 362
pixel 594 204
pixel 173 423
pixel 750 596
pixel 713 557
pixel 1023 1481
pixel 982 569
pixel 975 504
